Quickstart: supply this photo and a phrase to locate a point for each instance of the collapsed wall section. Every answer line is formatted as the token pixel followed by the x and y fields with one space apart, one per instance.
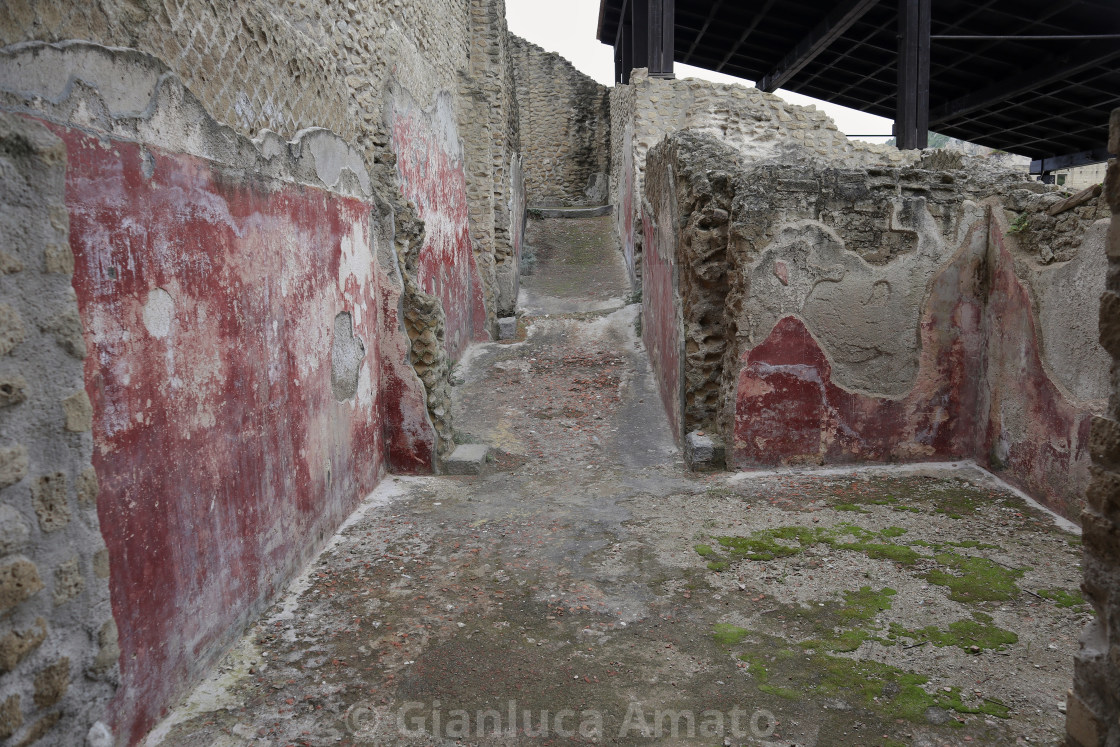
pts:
pixel 759 125
pixel 1093 705
pixel 246 368
pixel 565 122
pixel 834 313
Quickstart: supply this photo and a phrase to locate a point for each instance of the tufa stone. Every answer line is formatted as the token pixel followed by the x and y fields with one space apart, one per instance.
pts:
pixel 79 412
pixel 10 717
pixel 68 581
pixel 108 648
pixel 13 465
pixel 14 531
pixel 40 729
pixel 52 682
pixel 12 331
pixel 16 645
pixel 48 497
pixel 59 259
pixel 101 563
pixel 18 581
pixel 13 390
pixel 87 488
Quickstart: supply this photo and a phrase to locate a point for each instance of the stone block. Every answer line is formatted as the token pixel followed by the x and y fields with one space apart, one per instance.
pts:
pixel 52 682
pixel 1101 537
pixel 108 648
pixel 59 259
pixel 702 452
pixel 68 580
pixel 467 459
pixel 1103 494
pixel 1110 323
pixel 1083 727
pixel 13 465
pixel 51 504
pixel 507 328
pixel 10 717
pixel 40 729
pixel 16 645
pixel 1104 442
pixel 12 331
pixel 14 531
pixel 79 412
pixel 87 488
pixel 18 581
pixel 101 563
pixel 67 331
pixel 9 265
pixel 13 390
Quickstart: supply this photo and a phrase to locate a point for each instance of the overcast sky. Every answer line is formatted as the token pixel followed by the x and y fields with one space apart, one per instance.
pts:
pixel 569 28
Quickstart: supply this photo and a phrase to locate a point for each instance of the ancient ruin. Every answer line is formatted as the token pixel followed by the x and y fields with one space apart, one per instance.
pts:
pixel 363 364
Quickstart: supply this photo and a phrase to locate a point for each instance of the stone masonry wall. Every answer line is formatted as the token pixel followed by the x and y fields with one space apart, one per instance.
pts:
pixel 1093 708
pixel 288 67
pixel 832 313
pixel 58 639
pixel 566 129
pixel 240 303
pixel 757 124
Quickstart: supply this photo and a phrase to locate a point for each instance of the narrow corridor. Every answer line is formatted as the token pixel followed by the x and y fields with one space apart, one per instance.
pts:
pixel 588 589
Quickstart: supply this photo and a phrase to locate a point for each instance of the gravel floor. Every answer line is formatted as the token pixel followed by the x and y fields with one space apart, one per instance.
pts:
pixel 588 589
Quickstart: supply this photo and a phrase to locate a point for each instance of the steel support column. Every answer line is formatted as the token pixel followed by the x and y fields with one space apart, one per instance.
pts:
pixel 911 125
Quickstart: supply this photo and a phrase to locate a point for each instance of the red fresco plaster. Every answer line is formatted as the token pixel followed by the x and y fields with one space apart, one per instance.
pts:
pixel 1045 435
pixel 222 455
pixel 789 411
pixel 432 177
pixel 980 359
pixel 660 329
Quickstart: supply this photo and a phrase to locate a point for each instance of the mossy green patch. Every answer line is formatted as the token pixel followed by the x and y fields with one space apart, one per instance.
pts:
pixel 719 566
pixel 703 550
pixel 729 635
pixel 769 544
pixel 1063 598
pixel 893 693
pixel 972 579
pixel 977 632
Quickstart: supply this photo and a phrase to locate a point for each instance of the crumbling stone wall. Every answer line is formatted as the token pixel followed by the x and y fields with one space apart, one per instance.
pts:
pixel 834 312
pixel 1093 707
pixel 289 390
pixel 757 124
pixel 494 155
pixel 566 129
pixel 58 639
pixel 289 67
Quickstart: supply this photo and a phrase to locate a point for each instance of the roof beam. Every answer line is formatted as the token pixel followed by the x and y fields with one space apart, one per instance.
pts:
pixel 1054 163
pixel 703 30
pixel 746 33
pixel 1050 71
pixel 831 28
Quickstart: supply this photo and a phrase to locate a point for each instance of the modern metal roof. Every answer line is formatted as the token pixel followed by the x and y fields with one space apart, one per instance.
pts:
pixel 1011 90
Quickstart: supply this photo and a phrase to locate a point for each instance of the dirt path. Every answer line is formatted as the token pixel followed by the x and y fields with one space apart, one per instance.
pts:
pixel 611 597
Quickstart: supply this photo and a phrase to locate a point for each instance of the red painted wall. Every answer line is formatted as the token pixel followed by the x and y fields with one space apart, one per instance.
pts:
pixel 1045 436
pixel 661 316
pixel 223 457
pixel 431 172
pixel 789 411
pixel 980 359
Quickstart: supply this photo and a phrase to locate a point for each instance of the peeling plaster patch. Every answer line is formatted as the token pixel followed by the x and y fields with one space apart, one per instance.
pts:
pixel 158 313
pixel 347 353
